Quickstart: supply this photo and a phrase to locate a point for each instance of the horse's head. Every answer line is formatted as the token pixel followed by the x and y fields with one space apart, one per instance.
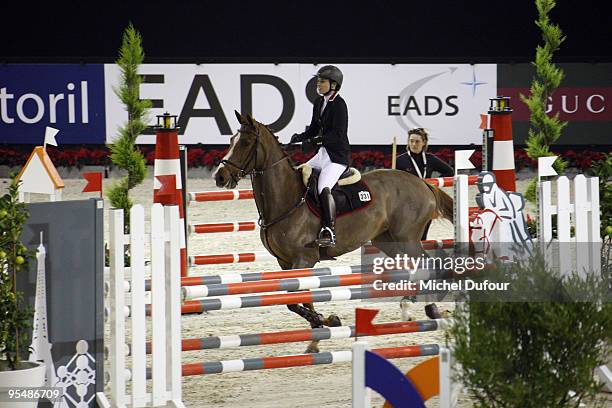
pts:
pixel 248 152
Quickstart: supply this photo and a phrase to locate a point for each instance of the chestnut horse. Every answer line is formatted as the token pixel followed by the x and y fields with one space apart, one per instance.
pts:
pixel 402 205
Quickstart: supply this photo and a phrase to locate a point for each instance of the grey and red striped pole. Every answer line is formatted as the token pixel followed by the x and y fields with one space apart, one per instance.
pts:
pixel 167 163
pixel 296 336
pixel 503 146
pixel 300 360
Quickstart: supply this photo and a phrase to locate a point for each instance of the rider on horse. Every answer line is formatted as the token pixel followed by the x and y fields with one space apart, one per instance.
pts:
pixel 328 129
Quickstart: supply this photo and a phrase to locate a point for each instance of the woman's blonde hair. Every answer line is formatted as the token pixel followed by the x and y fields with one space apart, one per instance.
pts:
pixel 421 132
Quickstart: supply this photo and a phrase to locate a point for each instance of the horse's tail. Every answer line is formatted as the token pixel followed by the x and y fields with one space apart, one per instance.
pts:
pixel 444 203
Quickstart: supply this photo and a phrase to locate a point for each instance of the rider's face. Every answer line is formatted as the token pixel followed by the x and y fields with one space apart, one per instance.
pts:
pixel 323 86
pixel 415 143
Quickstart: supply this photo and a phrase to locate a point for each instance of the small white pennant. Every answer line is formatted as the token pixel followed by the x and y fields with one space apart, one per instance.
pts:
pixel 545 166
pixel 50 136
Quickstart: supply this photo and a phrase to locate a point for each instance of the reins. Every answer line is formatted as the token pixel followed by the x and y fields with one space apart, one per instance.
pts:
pixel 254 172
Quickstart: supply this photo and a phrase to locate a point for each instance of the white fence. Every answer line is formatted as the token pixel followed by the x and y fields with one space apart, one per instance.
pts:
pixel 581 252
pixel 165 310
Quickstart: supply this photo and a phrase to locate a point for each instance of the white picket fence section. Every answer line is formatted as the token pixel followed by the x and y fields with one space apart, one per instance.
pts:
pixel 580 253
pixel 164 240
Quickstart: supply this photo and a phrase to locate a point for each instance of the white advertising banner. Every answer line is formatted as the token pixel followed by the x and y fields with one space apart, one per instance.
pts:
pixel 383 100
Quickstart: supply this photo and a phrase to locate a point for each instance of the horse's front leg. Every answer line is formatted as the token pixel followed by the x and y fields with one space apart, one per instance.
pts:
pixel 307 310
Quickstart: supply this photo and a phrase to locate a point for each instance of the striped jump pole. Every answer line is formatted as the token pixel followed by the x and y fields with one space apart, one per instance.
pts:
pixel 223 195
pixel 317 296
pixel 296 336
pixel 276 285
pixel 449 181
pixel 216 227
pixel 259 276
pixel 230 258
pixel 281 274
pixel 307 283
pixel 301 360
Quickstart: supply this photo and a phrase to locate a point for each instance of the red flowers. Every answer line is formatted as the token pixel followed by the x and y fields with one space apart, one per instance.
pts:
pixel 197 156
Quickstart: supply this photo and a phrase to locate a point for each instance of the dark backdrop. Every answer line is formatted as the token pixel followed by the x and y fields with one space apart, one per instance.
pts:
pixel 306 31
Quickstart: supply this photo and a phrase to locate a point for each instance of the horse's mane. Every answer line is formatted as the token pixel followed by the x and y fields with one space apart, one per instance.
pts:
pixel 280 145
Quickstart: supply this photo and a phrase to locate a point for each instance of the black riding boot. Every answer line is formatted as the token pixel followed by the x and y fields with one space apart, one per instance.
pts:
pixel 327 235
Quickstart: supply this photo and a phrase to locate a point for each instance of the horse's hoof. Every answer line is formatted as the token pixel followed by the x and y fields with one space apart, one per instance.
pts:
pixel 312 349
pixel 332 321
pixel 431 310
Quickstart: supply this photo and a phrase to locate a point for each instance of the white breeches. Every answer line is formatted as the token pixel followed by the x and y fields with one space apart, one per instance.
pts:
pixel 330 171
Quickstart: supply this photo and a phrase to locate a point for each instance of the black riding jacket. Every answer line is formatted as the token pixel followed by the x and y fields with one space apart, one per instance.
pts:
pixel 332 126
pixel 433 163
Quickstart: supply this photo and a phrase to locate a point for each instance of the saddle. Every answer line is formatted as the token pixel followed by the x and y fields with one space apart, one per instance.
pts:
pixel 351 193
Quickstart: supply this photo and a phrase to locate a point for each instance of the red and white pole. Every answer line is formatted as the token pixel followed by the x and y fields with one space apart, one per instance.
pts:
pixel 503 146
pixel 167 163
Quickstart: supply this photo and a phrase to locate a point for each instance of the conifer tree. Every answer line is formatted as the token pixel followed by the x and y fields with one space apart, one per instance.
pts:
pixel 124 153
pixel 544 129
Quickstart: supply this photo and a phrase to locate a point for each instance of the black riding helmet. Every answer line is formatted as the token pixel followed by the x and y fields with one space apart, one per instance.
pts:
pixel 331 73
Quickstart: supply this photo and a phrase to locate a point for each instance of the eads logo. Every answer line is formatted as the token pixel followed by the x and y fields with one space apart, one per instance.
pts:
pixel 412 104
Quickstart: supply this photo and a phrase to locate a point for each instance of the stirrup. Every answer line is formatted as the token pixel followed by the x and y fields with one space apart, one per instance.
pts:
pixel 326 241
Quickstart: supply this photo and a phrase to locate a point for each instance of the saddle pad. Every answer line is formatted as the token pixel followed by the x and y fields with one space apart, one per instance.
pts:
pixel 348 198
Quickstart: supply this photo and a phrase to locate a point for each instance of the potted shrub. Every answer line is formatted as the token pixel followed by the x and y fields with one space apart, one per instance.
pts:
pixel 15 315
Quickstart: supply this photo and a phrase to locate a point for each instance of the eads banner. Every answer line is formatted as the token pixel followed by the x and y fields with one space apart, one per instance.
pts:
pixel 384 100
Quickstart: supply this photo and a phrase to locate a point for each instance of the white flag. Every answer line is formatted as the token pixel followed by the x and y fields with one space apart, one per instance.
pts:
pixel 462 159
pixel 545 166
pixel 50 135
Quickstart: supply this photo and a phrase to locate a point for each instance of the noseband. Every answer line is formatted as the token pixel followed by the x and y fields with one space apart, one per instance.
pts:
pixel 243 172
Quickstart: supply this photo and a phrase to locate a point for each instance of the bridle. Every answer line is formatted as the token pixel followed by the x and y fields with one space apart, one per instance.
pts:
pixel 254 172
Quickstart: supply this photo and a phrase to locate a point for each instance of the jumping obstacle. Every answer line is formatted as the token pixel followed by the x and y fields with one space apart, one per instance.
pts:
pixel 306 283
pixel 317 296
pixel 300 360
pixel 170 361
pixel 295 336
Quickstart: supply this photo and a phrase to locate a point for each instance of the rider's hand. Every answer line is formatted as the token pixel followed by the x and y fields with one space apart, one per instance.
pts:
pixel 295 138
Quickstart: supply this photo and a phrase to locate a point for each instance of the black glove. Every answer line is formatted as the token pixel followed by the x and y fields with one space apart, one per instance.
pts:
pixel 296 138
